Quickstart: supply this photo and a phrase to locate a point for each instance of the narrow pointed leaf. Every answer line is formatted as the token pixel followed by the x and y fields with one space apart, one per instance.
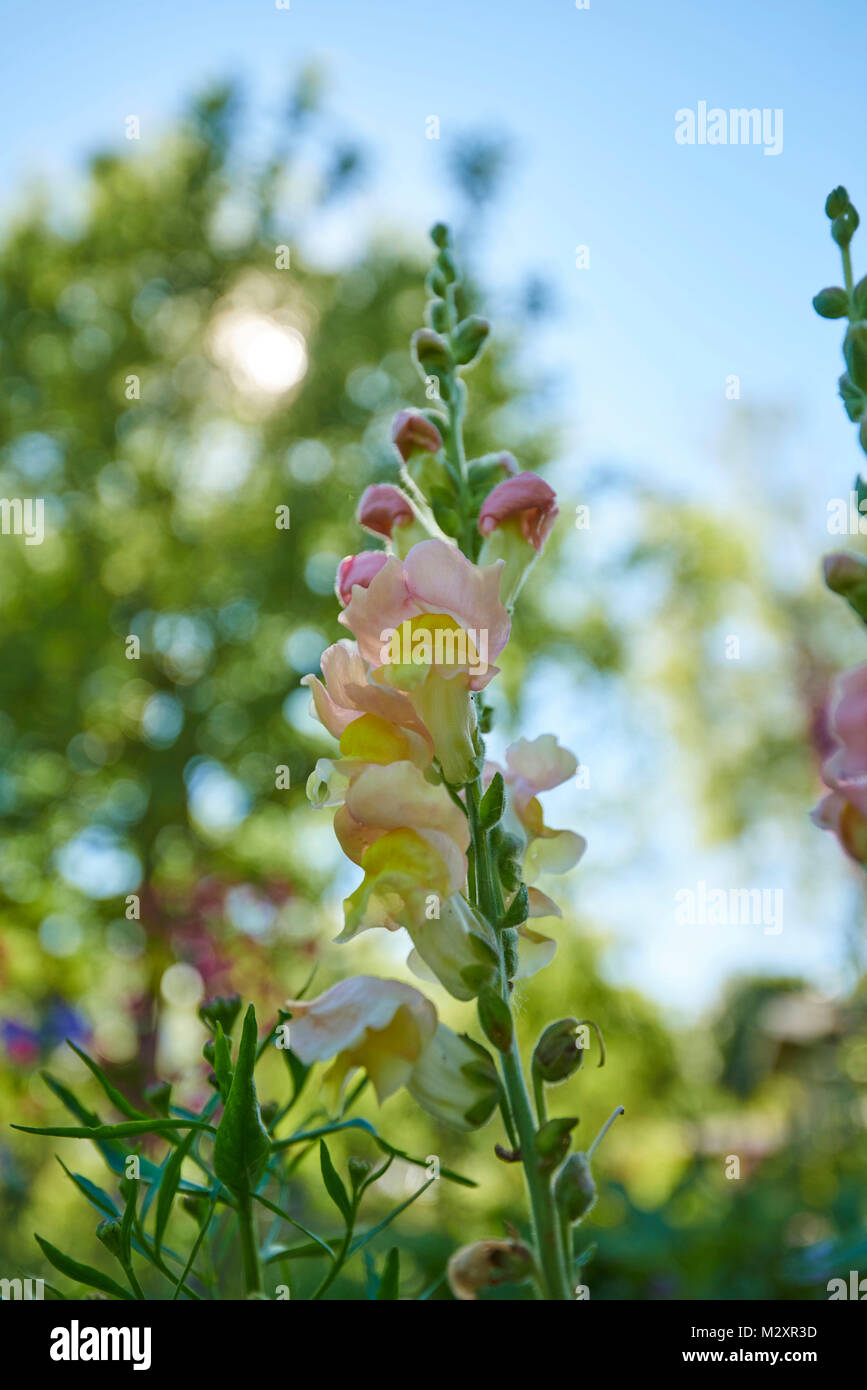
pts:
pixel 334 1185
pixel 391 1276
pixel 81 1273
pixel 242 1145
pixel 125 1130
pixel 95 1195
pixel 118 1100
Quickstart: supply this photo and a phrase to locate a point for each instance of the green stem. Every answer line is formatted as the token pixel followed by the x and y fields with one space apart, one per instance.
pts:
pixel 847 270
pixel 551 1257
pixel 249 1247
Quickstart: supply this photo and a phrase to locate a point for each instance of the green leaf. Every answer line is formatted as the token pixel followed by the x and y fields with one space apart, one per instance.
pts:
pixel 553 1140
pixel 132 1187
pixel 518 910
pixel 95 1195
pixel 366 1236
pixel 278 1211
pixel 496 1019
pixel 493 802
pixel 118 1100
pixel 306 1136
pixel 391 1276
pixel 272 1254
pixel 242 1145
pixel 127 1129
pixel 82 1274
pixel 69 1100
pixel 168 1187
pixel 853 399
pixel 334 1185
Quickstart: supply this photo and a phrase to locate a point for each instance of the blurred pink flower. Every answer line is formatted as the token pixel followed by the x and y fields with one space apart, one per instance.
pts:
pixel 844 809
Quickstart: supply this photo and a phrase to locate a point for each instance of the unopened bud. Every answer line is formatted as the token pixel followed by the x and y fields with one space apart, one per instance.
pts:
pixel 222 1010
pixel 469 338
pixel 846 574
pixel 412 431
pixel 109 1232
pixel 574 1188
pixel 431 352
pixel 836 202
pixel 557 1053
pixel 832 303
pixel 359 1169
pixel 159 1095
pixel 440 235
pixel 843 228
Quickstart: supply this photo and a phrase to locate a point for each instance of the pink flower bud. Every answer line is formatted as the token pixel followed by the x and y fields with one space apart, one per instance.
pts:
pixel 357 569
pixel 525 498
pixel 382 507
pixel 411 430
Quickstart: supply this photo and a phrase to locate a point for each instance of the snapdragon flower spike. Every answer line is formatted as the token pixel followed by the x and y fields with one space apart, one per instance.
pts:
pixel 382 1026
pixel 844 809
pixel 359 570
pixel 515 520
pixel 430 626
pixel 382 508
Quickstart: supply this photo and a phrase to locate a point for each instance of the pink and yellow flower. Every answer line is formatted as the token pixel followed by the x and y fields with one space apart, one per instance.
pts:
pixel 382 1026
pixel 409 838
pixel 430 626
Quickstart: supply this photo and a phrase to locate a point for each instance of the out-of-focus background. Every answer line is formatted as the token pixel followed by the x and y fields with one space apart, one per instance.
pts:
pixel 211 261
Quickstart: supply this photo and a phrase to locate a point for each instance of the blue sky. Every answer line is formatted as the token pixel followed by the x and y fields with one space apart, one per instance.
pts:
pixel 702 259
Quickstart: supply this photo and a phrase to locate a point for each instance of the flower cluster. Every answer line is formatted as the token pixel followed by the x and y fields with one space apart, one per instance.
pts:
pixel 449 844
